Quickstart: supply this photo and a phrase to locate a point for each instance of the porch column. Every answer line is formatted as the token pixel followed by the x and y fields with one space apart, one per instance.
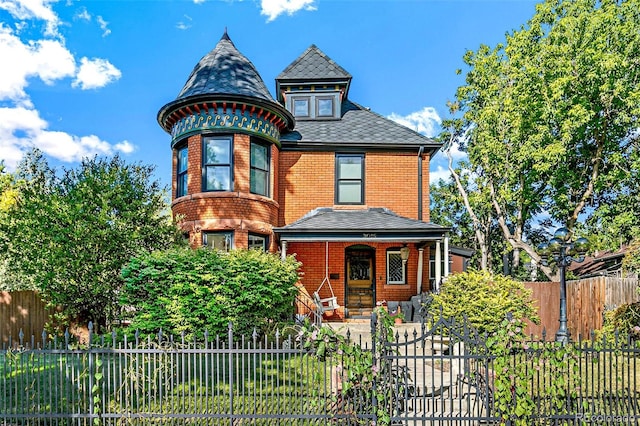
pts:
pixel 283 251
pixel 438 274
pixel 420 262
pixel 446 256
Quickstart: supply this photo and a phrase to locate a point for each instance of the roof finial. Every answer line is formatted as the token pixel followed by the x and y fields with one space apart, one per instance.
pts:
pixel 225 36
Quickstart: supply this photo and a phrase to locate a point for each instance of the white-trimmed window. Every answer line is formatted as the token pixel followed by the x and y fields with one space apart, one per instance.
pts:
pixel 222 241
pixel 396 270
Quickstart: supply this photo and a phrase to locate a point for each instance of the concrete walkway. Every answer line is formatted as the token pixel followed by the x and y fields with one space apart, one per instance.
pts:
pixel 435 371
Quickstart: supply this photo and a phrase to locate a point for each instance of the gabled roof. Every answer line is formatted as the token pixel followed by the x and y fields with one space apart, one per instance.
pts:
pixel 225 71
pixel 313 67
pixel 313 64
pixel 364 224
pixel 358 128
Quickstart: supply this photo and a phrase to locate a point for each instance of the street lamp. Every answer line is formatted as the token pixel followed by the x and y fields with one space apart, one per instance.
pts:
pixel 562 251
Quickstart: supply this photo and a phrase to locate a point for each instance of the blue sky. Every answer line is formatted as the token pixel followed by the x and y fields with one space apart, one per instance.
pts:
pixel 79 78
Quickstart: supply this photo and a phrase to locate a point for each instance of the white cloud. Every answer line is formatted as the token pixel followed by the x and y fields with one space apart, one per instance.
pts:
pixel 33 9
pixel 440 172
pixel 103 26
pixel 95 73
pixel 425 121
pixel 198 1
pixel 46 59
pixel 22 128
pixel 274 8
pixel 182 25
pixel 456 153
pixel 83 14
pixel 125 147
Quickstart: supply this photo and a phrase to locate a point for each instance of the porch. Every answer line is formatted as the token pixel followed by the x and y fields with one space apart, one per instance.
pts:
pixel 355 260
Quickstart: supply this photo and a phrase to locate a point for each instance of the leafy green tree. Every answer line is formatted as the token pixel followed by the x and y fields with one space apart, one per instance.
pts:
pixel 190 291
pixel 550 117
pixel 73 233
pixel 9 281
pixel 470 227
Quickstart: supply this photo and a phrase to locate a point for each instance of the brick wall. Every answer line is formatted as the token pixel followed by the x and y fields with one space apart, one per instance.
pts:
pixel 236 210
pixel 312 256
pixel 307 181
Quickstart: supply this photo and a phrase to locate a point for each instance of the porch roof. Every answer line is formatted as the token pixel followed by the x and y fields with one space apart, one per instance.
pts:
pixel 371 224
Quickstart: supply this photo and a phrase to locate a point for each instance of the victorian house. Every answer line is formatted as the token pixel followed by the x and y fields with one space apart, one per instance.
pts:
pixel 308 172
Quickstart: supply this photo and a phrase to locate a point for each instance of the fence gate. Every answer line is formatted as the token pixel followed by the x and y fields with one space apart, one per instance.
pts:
pixel 441 375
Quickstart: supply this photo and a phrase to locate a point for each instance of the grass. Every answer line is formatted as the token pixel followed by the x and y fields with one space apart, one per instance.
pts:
pixel 163 384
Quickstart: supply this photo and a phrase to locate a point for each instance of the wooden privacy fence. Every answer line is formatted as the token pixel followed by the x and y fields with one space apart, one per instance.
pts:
pixel 21 310
pixel 587 300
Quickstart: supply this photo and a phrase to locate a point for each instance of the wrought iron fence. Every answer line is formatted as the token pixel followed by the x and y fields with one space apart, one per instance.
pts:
pixel 163 380
pixel 442 374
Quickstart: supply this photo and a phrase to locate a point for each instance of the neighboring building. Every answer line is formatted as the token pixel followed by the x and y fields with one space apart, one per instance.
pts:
pixel 602 263
pixel 309 173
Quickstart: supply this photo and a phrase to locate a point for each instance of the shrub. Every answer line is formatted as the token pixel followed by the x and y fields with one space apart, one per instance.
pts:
pixel 484 298
pixel 624 320
pixel 190 291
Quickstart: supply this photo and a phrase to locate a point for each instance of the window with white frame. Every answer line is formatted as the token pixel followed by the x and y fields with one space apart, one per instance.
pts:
pixel 396 268
pixel 222 241
pixel 217 159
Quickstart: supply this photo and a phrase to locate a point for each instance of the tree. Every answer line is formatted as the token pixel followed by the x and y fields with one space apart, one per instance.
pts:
pixel 9 281
pixel 73 233
pixel 461 203
pixel 193 291
pixel 550 117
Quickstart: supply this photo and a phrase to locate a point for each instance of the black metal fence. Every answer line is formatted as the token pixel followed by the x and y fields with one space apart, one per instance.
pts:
pixel 440 375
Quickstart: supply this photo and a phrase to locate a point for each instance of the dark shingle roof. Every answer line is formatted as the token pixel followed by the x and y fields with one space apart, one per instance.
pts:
pixel 313 64
pixel 358 126
pixel 225 70
pixel 365 220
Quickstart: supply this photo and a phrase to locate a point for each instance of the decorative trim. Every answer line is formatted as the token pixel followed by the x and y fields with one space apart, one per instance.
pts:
pixel 228 117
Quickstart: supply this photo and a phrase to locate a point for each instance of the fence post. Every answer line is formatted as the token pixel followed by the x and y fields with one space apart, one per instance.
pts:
pixel 91 373
pixel 374 361
pixel 230 366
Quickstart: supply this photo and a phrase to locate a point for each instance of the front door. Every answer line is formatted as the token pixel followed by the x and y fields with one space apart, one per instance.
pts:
pixel 360 278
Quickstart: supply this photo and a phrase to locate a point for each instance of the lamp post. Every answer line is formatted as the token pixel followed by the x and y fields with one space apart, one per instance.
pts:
pixel 562 251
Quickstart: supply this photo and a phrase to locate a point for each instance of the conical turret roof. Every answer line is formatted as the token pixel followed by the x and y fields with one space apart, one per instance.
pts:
pixel 223 93
pixel 225 71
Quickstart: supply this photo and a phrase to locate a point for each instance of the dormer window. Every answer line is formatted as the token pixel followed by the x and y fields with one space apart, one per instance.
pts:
pixel 312 105
pixel 301 106
pixel 324 106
